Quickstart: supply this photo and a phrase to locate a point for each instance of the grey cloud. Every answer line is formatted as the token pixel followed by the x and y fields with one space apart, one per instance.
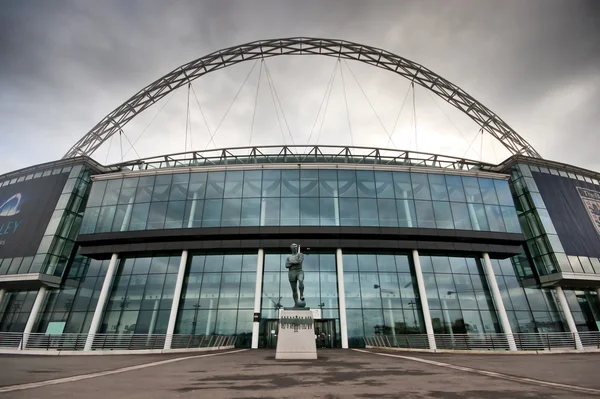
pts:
pixel 66 64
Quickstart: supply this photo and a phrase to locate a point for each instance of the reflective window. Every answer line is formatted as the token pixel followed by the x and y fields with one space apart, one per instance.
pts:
pixel 300 198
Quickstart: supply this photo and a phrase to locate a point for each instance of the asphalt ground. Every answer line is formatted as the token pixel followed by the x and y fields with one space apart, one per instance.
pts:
pixel 336 374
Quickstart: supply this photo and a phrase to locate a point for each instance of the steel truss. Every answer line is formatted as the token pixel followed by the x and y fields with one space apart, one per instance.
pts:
pixel 297 154
pixel 449 92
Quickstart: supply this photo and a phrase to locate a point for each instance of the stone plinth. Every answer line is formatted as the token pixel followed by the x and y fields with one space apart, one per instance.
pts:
pixel 296 338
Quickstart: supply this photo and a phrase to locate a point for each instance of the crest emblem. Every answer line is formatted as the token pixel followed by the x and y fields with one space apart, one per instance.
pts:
pixel 591 201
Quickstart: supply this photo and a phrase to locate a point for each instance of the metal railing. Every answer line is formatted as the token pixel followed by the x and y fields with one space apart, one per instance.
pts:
pixel 493 341
pixel 76 342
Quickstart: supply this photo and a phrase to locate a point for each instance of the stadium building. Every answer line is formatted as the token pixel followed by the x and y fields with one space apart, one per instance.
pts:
pixel 410 248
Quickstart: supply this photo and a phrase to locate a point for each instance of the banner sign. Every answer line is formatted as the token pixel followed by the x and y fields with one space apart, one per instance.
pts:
pixel 574 208
pixel 25 210
pixel 591 201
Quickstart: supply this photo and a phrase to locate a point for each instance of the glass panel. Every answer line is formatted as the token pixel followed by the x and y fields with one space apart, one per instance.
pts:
pixel 179 187
pixel 250 212
pixel 290 180
pixel 437 185
pixel 212 211
pixel 402 185
pixel 309 208
pixel 347 183
pixel 471 189
pixel 156 217
pixel 271 186
pixel 233 184
pixel 231 209
pixel 88 225
pixel 443 215
pixel 387 212
pixel 368 212
pixel 455 188
pixel 349 212
pixel 420 185
pixel 460 214
pixel 193 213
pixel 252 183
pixel 365 183
pixel 384 184
pixel 407 217
pixel 97 193
pixel 215 185
pixel 269 213
pixel 144 189
pixel 511 221
pixel 197 186
pixel 425 216
pixel 162 188
pixel 488 191
pixel 175 214
pixel 105 219
pixel 111 194
pixel 478 218
pixel 494 218
pixel 328 186
pixel 328 211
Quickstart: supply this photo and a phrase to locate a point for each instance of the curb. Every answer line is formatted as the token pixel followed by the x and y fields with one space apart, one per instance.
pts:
pixel 488 352
pixel 58 352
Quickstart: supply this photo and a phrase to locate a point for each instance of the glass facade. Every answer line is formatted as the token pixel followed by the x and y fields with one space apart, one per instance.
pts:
pixel 300 198
pixel 381 296
pixel 218 295
pixel 543 241
pixel 219 285
pixel 458 295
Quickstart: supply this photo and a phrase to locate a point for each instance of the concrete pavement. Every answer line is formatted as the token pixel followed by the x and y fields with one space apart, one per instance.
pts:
pixel 336 374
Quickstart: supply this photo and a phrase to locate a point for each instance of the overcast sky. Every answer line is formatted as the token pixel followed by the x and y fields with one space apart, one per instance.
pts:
pixel 64 65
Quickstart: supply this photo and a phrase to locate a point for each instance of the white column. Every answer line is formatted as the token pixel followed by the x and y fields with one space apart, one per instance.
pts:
pixel 39 300
pixel 98 313
pixel 567 312
pixel 258 296
pixel 342 297
pixel 176 297
pixel 423 298
pixel 491 279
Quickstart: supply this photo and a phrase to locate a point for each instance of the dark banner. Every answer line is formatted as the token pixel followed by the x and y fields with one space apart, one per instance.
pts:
pixel 574 207
pixel 25 210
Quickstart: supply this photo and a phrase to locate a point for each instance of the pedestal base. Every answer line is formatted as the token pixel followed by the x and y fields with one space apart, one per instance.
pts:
pixel 296 338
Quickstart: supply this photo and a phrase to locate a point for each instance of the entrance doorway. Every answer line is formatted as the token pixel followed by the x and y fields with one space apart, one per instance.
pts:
pixel 326 335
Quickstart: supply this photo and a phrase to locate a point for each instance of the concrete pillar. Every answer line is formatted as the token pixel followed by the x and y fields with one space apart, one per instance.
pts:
pixel 104 292
pixel 491 279
pixel 342 297
pixel 257 297
pixel 176 298
pixel 37 305
pixel 568 316
pixel 423 298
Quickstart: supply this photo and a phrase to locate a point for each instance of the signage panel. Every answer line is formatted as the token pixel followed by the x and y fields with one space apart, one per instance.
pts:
pixel 25 210
pixel 574 208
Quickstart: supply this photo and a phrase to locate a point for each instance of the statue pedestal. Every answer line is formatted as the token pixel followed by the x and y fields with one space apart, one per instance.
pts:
pixel 296 338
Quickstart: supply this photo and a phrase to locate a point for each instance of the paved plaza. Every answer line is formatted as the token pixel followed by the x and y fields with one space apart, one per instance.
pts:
pixel 336 374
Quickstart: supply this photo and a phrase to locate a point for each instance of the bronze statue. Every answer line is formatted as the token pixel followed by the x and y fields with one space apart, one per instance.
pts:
pixel 296 275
